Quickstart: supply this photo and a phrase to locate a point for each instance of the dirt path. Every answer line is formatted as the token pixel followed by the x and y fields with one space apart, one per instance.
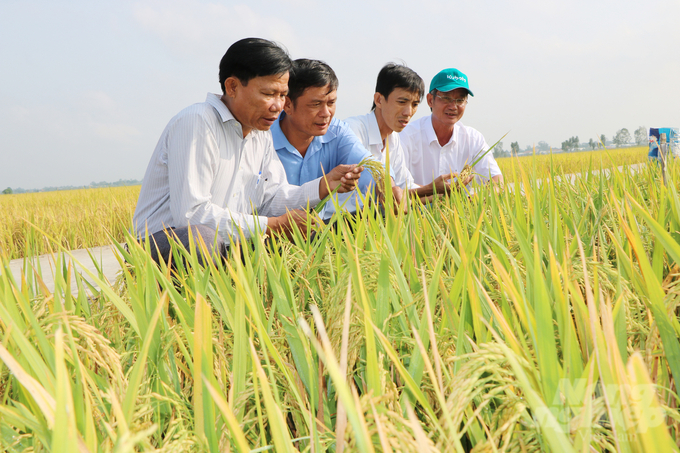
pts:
pixel 46 266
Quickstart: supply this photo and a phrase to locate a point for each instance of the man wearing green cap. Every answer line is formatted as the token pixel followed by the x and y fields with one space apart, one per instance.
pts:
pixel 440 143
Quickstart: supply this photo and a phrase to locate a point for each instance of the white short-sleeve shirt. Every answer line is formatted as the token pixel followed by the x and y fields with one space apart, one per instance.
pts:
pixel 427 159
pixel 366 128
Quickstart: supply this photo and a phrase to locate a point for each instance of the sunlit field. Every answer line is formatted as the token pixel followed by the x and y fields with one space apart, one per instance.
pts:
pixel 525 321
pixel 574 162
pixel 93 217
pixel 75 218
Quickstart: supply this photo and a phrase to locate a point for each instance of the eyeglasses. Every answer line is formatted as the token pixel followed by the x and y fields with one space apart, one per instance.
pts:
pixel 450 100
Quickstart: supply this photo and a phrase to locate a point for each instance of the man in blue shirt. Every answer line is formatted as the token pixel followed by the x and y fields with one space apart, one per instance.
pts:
pixel 307 139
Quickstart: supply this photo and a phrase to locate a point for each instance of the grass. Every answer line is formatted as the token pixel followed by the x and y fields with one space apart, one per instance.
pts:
pixel 538 321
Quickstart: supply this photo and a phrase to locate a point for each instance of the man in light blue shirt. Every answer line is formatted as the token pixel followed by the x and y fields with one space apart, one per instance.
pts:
pixel 337 146
pixel 307 139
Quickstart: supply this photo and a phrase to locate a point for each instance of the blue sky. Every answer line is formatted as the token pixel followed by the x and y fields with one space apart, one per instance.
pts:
pixel 88 86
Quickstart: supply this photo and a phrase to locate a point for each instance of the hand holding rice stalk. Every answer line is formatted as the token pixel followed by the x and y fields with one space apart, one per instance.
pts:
pixel 314 214
pixel 468 170
pixel 382 184
pixel 376 169
pixel 323 202
pixel 385 184
pixel 379 174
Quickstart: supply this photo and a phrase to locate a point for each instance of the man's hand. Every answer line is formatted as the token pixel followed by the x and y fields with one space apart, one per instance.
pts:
pixel 400 201
pixel 451 183
pixel 441 184
pixel 285 224
pixel 344 177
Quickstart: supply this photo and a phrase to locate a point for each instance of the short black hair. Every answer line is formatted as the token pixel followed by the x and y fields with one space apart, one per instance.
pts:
pixel 310 73
pixel 253 57
pixel 393 76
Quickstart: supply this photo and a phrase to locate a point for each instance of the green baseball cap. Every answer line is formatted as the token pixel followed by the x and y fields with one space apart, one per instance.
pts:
pixel 450 79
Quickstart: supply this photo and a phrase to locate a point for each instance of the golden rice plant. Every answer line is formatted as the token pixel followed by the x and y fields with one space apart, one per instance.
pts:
pixel 541 319
pixel 79 218
pixel 574 162
pixel 375 168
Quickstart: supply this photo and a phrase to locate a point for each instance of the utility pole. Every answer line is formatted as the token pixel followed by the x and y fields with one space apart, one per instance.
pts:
pixel 662 155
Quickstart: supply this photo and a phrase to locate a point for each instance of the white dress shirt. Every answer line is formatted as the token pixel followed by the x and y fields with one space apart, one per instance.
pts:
pixel 427 159
pixel 203 172
pixel 366 128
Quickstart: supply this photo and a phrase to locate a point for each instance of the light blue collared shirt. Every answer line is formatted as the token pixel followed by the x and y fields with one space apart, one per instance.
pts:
pixel 338 146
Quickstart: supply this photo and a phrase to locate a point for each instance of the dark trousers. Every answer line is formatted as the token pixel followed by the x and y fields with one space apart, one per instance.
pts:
pixel 216 247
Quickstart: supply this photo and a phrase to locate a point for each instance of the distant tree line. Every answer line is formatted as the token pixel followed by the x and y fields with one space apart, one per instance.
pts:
pixel 570 144
pixel 92 185
pixel 622 137
pixel 641 136
pixel 498 151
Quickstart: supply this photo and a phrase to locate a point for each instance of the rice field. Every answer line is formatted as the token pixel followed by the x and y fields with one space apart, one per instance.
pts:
pixel 95 217
pixel 74 218
pixel 575 162
pixel 542 320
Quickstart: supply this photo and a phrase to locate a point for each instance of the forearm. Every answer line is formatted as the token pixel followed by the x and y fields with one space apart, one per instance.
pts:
pixel 229 224
pixel 422 191
pixel 323 188
pixel 274 225
pixel 285 197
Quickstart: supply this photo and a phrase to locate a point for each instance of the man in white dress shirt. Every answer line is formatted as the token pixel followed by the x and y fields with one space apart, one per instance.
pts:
pixel 440 143
pixel 215 168
pixel 398 92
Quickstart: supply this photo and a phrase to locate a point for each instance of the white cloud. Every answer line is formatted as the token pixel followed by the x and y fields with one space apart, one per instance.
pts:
pixel 190 27
pixel 114 131
pixel 92 115
pixel 62 144
pixel 97 100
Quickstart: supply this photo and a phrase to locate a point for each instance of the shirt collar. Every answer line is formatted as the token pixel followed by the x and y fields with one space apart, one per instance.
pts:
pixel 432 135
pixel 280 140
pixel 374 137
pixel 429 130
pixel 216 101
pixel 331 133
